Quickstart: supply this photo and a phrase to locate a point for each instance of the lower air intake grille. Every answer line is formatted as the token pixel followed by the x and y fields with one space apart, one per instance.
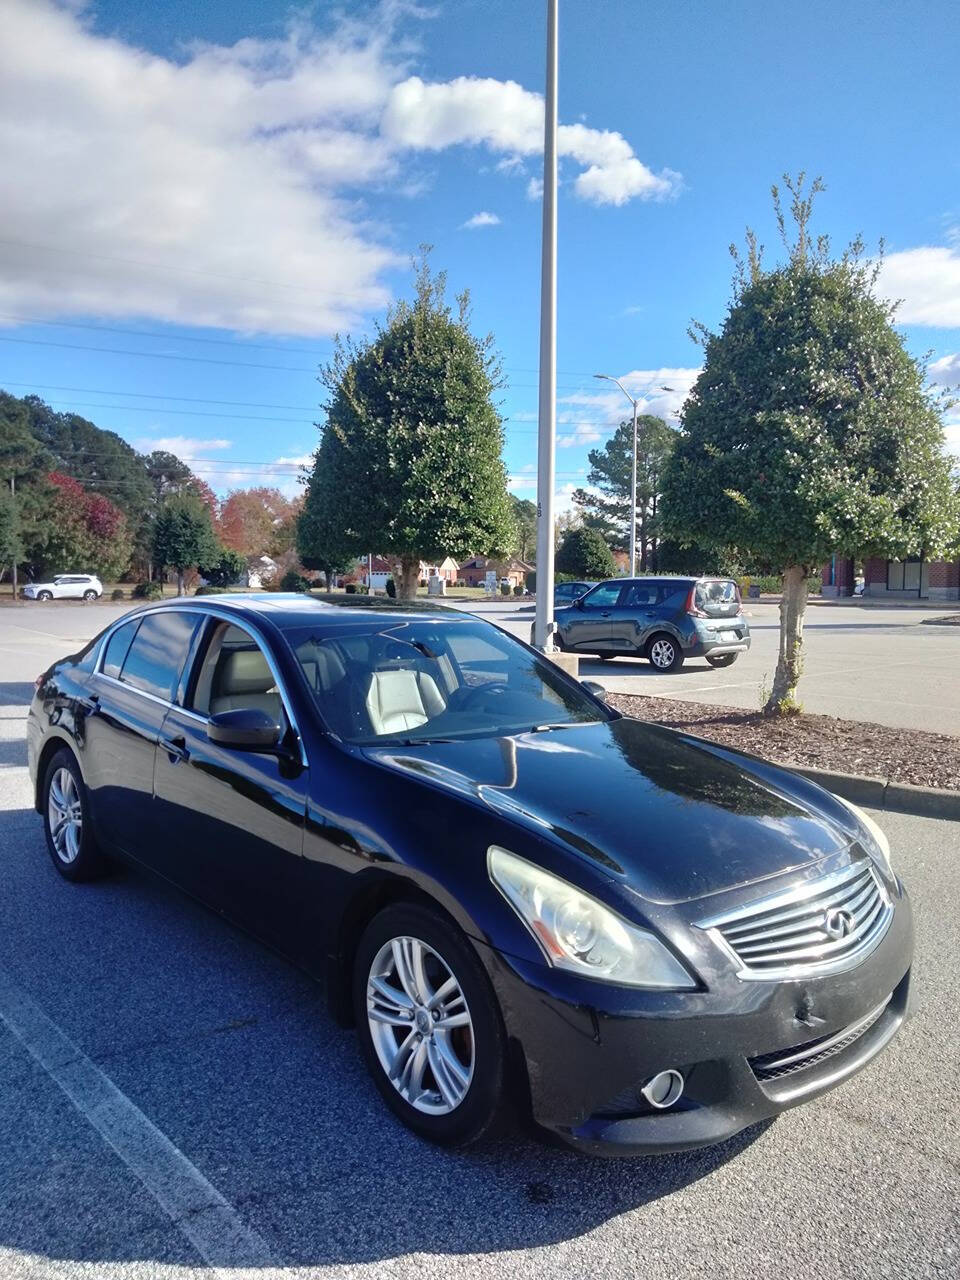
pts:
pixel 771 1066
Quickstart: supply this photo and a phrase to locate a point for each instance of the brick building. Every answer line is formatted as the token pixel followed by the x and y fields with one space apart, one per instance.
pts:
pixel 910 579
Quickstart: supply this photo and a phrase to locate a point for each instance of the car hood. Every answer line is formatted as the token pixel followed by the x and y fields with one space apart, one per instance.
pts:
pixel 675 817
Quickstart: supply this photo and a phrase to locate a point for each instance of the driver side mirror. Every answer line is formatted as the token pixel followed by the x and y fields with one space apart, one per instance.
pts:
pixel 245 729
pixel 578 603
pixel 596 689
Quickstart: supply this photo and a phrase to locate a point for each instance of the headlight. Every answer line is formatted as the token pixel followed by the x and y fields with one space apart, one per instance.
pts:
pixel 876 843
pixel 578 933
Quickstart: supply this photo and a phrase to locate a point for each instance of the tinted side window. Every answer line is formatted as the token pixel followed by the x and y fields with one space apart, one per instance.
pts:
pixel 604 596
pixel 117 647
pixel 158 652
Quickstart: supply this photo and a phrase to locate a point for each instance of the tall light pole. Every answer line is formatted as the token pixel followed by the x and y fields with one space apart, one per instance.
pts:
pixel 633 482
pixel 546 449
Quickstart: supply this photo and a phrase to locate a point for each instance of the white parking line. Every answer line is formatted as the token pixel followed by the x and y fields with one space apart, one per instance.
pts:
pixel 192 1203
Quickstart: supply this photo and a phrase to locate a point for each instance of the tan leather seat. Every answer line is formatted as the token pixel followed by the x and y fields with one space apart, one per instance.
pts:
pixel 402 699
pixel 243 679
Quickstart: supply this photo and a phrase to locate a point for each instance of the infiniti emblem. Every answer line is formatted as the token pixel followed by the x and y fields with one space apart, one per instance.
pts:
pixel 838 923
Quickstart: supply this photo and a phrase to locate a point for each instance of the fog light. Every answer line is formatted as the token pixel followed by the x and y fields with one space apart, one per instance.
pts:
pixel 663 1089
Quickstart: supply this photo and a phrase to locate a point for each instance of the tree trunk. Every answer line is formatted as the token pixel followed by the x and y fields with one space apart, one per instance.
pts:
pixel 180 590
pixel 409 577
pixel 783 699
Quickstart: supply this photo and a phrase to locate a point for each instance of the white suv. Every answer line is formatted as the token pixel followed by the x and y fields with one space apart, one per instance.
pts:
pixel 66 586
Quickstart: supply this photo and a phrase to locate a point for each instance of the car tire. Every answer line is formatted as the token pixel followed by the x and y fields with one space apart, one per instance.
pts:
pixel 44 595
pixel 664 652
pixel 89 595
pixel 723 659
pixel 66 820
pixel 457 1104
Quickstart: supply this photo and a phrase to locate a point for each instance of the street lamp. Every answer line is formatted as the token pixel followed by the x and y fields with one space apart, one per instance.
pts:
pixel 633 483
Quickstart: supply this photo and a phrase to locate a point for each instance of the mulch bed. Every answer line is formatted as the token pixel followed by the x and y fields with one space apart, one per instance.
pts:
pixel 951 620
pixel 819 742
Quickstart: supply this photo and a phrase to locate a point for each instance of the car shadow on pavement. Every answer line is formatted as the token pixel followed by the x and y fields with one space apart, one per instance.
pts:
pixel 229 1051
pixel 16 693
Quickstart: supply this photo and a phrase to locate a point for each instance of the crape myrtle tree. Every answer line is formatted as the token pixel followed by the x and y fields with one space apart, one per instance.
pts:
pixel 409 463
pixel 809 432
pixel 183 536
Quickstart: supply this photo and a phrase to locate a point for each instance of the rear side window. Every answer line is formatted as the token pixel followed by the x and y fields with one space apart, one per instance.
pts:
pixel 117 648
pixel 156 656
pixel 718 596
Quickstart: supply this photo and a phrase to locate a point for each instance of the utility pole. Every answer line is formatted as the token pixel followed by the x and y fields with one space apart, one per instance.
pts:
pixel 633 482
pixel 13 572
pixel 547 439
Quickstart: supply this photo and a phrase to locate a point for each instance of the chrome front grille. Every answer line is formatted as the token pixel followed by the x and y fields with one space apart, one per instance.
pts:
pixel 820 926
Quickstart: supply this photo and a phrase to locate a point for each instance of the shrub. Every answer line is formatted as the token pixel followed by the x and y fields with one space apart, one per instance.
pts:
pixel 208 590
pixel 227 570
pixel 505 588
pixel 293 581
pixel 148 591
pixel 116 594
pixel 351 588
pixel 531 581
pixel 391 589
pixel 518 590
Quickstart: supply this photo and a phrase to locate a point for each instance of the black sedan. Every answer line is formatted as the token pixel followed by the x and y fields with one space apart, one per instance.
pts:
pixel 648 940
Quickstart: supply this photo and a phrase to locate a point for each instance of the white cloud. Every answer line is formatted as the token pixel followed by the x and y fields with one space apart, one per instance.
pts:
pixel 298 460
pixel 504 117
pixel 224 188
pixel 927 280
pixel 535 189
pixel 482 219
pixel 184 447
pixel 659 391
pixel 945 371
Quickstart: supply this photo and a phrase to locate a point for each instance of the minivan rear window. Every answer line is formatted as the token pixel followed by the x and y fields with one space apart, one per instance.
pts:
pixel 718 597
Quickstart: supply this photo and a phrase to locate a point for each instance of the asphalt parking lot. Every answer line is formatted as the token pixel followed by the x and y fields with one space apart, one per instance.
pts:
pixel 127 1010
pixel 860 662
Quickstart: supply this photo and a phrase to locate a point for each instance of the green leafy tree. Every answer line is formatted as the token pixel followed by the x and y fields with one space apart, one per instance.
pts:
pixel 226 570
pixel 320 540
pixel 183 536
pixel 809 431
pixel 610 467
pixel 27 463
pixel 584 554
pixel 525 520
pixel 409 463
pixel 11 549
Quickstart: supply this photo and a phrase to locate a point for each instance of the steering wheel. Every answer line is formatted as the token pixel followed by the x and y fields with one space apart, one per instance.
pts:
pixel 469 696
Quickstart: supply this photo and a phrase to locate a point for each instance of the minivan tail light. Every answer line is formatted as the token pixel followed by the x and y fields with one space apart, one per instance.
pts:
pixel 692 604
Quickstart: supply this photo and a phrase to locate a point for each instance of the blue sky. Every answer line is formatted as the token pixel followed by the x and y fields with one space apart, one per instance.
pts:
pixel 196 196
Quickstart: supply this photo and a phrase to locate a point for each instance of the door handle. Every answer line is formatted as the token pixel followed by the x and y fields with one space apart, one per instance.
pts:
pixel 605 615
pixel 176 748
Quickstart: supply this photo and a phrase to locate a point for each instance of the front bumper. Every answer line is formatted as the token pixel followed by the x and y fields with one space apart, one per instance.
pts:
pixel 587 1049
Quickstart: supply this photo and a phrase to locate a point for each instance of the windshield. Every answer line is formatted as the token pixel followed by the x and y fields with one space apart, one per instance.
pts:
pixel 380 680
pixel 718 597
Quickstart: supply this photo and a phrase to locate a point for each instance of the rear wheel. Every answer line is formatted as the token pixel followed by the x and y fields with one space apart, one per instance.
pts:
pixel 723 659
pixel 66 820
pixel 429 1025
pixel 664 653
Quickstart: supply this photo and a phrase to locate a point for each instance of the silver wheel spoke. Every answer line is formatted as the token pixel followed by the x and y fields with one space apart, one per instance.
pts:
pixel 420 1025
pixel 65 815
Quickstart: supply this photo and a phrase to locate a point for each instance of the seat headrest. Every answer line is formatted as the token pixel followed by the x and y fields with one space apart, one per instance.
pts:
pixel 244 671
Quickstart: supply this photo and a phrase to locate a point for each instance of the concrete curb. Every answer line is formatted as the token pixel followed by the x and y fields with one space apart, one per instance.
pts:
pixel 881 793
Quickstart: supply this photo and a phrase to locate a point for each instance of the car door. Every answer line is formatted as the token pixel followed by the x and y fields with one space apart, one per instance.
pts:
pixel 137 674
pixel 634 617
pixel 590 625
pixel 233 819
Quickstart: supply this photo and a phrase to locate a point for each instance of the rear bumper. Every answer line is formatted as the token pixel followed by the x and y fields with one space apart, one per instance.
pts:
pixel 585 1065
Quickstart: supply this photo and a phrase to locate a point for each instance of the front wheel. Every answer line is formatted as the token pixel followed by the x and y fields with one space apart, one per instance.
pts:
pixel 664 653
pixel 44 595
pixel 89 595
pixel 723 659
pixel 429 1025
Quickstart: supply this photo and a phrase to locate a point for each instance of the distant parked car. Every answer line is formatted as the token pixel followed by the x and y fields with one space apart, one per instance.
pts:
pixel 66 586
pixel 567 592
pixel 662 619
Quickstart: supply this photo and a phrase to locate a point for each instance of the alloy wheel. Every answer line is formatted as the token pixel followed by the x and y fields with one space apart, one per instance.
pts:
pixel 65 815
pixel 662 654
pixel 420 1025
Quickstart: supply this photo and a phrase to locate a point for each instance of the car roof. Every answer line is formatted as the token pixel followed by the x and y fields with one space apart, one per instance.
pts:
pixel 288 609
